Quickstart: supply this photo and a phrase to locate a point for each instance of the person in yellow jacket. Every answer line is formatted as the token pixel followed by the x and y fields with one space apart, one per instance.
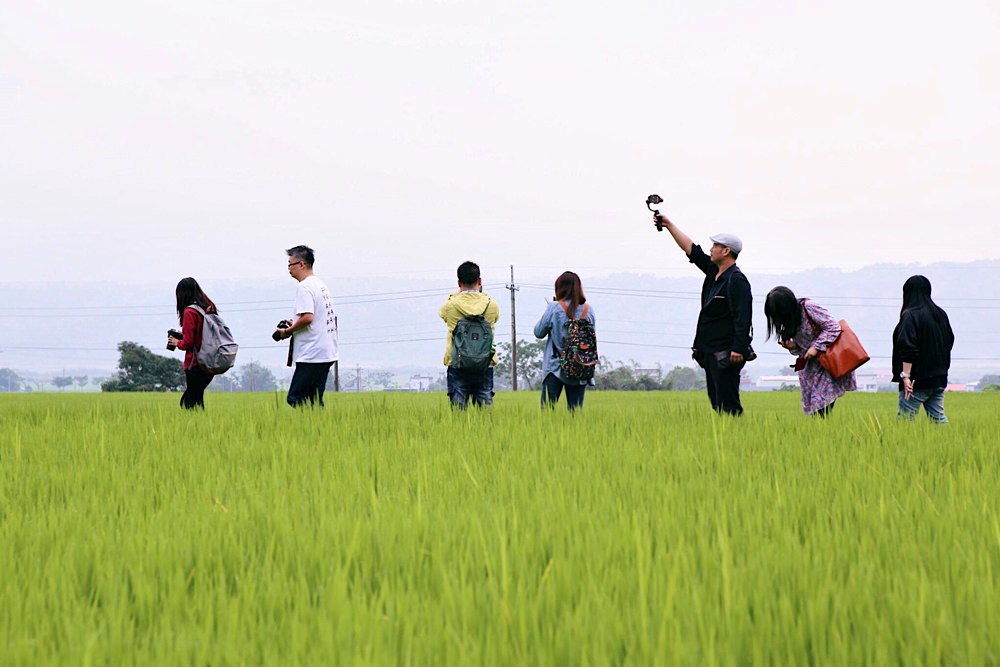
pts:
pixel 470 354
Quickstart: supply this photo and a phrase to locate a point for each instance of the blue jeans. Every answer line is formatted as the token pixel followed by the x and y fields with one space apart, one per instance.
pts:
pixel 931 399
pixel 464 385
pixel 552 388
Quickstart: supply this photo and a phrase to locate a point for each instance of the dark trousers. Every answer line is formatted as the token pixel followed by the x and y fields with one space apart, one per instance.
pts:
pixel 464 386
pixel 723 385
pixel 308 383
pixel 197 381
pixel 552 388
pixel 825 410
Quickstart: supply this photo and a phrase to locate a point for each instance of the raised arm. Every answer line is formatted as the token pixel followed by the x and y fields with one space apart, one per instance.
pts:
pixel 684 241
pixel 544 325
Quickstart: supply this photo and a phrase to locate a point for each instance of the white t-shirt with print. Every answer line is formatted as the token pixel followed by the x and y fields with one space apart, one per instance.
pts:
pixel 316 343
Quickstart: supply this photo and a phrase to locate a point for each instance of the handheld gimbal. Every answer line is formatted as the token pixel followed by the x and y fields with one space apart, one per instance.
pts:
pixel 655 199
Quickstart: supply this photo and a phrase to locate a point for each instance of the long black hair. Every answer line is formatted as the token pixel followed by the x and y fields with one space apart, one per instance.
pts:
pixel 569 288
pixel 917 295
pixel 783 312
pixel 189 292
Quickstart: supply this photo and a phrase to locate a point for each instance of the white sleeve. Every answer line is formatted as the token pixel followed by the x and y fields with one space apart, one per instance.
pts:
pixel 304 302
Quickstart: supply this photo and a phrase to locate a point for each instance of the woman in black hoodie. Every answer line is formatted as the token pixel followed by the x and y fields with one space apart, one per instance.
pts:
pixel 921 352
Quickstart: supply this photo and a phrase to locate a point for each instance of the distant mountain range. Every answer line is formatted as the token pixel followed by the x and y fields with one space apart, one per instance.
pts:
pixel 392 324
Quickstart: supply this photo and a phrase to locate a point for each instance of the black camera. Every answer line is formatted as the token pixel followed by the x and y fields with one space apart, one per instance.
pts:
pixel 655 199
pixel 173 333
pixel 283 324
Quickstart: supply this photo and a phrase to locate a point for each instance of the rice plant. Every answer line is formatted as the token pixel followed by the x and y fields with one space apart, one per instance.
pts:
pixel 388 529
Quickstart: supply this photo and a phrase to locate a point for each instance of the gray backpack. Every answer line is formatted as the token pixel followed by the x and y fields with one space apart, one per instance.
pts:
pixel 472 343
pixel 217 353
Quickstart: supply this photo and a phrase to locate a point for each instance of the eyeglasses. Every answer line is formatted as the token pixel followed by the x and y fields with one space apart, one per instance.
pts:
pixel 291 264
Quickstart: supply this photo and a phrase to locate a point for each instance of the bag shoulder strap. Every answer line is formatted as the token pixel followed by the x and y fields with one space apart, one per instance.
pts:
pixel 583 315
pixel 201 311
pixel 812 322
pixel 488 302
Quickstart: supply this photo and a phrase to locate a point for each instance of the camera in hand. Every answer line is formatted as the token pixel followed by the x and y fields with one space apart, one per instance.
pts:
pixel 650 201
pixel 173 333
pixel 283 324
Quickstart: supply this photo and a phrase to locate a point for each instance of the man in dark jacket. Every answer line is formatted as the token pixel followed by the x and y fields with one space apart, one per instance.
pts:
pixel 722 339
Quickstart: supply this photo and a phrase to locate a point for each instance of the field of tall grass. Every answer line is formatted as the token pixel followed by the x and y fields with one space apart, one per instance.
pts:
pixel 387 529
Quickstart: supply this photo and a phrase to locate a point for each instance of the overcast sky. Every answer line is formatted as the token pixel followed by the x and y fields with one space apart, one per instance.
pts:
pixel 149 141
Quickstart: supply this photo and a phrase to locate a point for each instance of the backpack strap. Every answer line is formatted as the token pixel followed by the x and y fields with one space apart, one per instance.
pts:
pixel 583 315
pixel 201 311
pixel 488 302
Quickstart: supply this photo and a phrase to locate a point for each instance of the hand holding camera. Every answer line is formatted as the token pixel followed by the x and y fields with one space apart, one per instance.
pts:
pixel 173 337
pixel 657 218
pixel 279 330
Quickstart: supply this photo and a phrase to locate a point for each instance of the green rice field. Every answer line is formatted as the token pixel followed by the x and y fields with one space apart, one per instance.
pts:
pixel 389 530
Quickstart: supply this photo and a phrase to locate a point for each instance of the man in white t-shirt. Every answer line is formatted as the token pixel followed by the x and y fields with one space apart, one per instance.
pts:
pixel 315 329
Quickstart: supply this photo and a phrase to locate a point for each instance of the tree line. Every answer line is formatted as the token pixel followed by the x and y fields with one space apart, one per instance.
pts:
pixel 139 369
pixel 610 375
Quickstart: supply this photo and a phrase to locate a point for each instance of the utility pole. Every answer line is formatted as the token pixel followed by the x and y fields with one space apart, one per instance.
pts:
pixel 357 378
pixel 336 364
pixel 513 331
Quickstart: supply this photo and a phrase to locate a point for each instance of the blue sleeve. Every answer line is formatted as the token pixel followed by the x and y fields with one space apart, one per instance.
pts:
pixel 544 325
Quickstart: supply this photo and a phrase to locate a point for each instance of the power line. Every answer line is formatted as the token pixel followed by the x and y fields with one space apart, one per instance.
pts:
pixel 439 338
pixel 376 297
pixel 836 301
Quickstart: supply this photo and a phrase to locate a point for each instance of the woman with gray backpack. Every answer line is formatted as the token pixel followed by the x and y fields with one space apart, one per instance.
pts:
pixel 571 350
pixel 192 302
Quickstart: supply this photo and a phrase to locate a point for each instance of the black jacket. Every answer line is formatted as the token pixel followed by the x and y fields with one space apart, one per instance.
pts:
pixel 920 340
pixel 726 305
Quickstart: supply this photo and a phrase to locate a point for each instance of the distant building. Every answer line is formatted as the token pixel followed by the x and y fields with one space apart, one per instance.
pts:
pixel 654 373
pixel 420 382
pixel 869 382
pixel 957 387
pixel 775 382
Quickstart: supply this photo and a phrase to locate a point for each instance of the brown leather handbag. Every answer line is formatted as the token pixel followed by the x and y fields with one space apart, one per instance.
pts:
pixel 846 354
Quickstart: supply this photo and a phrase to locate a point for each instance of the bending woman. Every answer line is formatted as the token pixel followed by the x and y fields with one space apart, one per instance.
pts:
pixel 806 329
pixel 570 303
pixel 189 294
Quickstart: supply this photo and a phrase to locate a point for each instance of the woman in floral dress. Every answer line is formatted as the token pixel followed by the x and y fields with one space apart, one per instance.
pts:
pixel 806 329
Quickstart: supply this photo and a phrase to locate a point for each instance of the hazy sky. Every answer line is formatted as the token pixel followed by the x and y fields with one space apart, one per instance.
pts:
pixel 156 140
